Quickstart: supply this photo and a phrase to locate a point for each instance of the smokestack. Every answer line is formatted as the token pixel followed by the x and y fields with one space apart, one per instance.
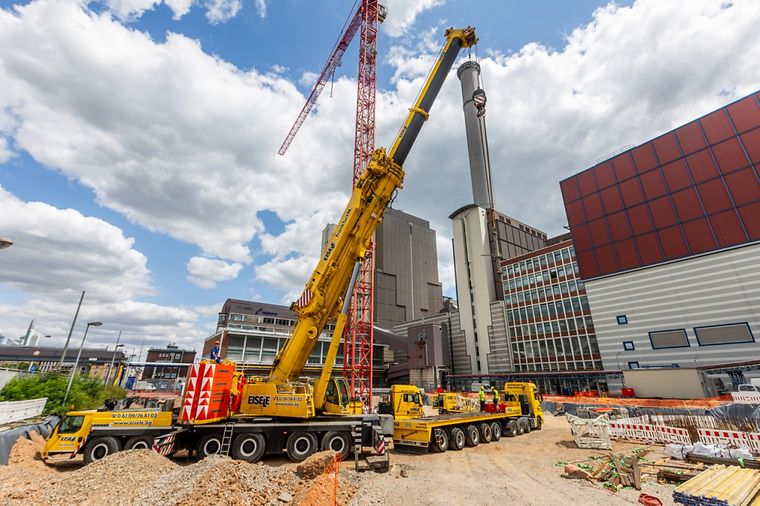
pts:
pixel 473 98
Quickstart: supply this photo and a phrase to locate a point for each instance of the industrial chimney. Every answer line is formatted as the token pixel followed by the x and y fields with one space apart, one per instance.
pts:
pixel 474 99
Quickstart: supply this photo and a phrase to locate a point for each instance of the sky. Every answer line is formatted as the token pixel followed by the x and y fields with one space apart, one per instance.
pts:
pixel 138 138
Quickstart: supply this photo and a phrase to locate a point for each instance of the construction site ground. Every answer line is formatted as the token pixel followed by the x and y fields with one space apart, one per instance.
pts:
pixel 518 470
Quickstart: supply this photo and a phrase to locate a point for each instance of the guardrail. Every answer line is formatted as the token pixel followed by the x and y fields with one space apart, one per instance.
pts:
pixel 13 411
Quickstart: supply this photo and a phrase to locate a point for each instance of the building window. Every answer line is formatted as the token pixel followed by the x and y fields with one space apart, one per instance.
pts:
pixel 622 319
pixel 633 365
pixel 675 338
pixel 628 346
pixel 732 333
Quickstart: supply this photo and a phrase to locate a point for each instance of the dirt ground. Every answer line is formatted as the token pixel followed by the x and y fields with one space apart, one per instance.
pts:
pixel 520 470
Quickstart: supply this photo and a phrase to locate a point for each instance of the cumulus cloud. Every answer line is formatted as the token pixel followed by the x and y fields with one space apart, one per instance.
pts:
pixel 403 13
pixel 219 11
pixel 183 143
pixel 207 272
pixel 179 7
pixel 57 253
pixel 5 151
pixel 261 8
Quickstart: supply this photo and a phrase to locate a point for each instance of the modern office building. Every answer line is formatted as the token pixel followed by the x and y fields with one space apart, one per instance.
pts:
pixel 251 333
pixel 92 362
pixel 667 236
pixel 549 317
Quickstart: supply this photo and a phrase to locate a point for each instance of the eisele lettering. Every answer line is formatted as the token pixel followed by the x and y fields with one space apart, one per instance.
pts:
pixel 259 400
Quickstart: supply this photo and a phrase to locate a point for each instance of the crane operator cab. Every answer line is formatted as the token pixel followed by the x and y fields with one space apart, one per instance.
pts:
pixel 337 400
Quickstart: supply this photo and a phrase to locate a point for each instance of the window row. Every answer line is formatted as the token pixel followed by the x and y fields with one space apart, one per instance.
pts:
pixel 711 335
pixel 580 326
pixel 555 349
pixel 262 350
pixel 542 278
pixel 549 310
pixel 541 262
pixel 578 365
pixel 539 294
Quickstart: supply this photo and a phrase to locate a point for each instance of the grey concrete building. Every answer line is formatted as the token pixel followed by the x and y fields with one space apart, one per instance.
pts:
pixel 406 269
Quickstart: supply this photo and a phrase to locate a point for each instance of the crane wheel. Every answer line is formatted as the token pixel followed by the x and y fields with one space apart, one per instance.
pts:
pixel 338 442
pixel 210 444
pixel 485 433
pixel 539 423
pixel 472 435
pixel 301 445
pixel 520 427
pixel 526 425
pixel 439 441
pixel 510 428
pixel 456 439
pixel 495 431
pixel 100 448
pixel 249 447
pixel 139 443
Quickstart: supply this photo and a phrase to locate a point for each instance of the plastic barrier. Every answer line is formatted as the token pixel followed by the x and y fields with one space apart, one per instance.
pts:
pixel 746 397
pixel 724 437
pixel 649 433
pixel 673 435
pixel 14 411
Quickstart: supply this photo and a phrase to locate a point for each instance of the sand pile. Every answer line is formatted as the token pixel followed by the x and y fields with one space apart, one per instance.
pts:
pixel 26 453
pixel 142 477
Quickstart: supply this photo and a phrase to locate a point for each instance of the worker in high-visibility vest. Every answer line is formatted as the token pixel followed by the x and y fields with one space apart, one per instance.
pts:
pixel 482 395
pixel 495 394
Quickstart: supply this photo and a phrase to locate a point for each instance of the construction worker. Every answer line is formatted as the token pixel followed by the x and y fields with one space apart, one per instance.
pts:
pixel 495 394
pixel 215 353
pixel 482 396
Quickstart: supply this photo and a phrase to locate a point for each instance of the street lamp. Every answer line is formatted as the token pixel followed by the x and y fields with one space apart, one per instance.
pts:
pixel 76 362
pixel 110 366
pixel 5 243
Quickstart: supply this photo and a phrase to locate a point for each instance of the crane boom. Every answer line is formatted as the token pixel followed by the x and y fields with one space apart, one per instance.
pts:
pixel 332 63
pixel 324 298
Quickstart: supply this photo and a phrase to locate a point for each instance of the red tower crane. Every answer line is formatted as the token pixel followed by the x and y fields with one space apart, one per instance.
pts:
pixel 359 334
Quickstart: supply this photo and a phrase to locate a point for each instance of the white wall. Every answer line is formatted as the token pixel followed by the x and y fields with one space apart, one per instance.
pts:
pixel 713 289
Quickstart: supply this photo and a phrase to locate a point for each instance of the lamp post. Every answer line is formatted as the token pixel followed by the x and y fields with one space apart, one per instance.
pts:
pixel 76 362
pixel 5 243
pixel 110 366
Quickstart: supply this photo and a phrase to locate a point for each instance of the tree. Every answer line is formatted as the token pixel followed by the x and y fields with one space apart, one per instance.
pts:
pixel 86 393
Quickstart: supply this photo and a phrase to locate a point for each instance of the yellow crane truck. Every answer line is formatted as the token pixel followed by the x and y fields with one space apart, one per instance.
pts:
pixel 96 434
pixel 519 411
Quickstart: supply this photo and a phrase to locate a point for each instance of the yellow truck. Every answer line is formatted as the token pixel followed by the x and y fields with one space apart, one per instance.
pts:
pixel 519 412
pixel 96 434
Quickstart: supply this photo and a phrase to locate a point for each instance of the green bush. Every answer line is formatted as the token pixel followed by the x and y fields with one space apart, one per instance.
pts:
pixel 86 393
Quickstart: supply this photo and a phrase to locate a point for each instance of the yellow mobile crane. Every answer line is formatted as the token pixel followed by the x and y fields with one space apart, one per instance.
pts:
pixel 223 411
pixel 326 296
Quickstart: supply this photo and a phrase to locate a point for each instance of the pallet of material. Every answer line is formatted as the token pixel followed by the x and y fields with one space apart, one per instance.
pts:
pixel 721 486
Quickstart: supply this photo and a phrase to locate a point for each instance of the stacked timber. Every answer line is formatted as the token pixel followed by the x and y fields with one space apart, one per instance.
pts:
pixel 721 486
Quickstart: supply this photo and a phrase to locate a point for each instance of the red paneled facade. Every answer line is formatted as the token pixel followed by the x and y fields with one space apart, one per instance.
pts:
pixel 692 190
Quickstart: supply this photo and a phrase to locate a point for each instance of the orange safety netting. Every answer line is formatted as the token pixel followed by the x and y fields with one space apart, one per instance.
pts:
pixel 709 402
pixel 324 490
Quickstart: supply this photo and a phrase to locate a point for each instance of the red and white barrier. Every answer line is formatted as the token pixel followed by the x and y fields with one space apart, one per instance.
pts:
pixel 673 435
pixel 723 437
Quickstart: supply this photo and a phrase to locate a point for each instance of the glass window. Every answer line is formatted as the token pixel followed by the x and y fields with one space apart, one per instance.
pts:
pixel 589 324
pixel 579 323
pixel 545 310
pixel 733 333
pixel 669 339
pixel 70 424
pixel 576 304
pixel 269 350
pixel 584 303
pixel 633 365
pixel 555 327
pixel 533 295
pixel 622 319
pixel 542 259
pixel 571 325
pixel 529 311
pixel 568 306
pixel 572 251
pixel 547 328
pixel 581 285
pixel 565 288
pixel 557 257
pixel 532 279
pixel 566 255
pixel 552 310
pixel 560 308
pixel 563 326
pixel 555 289
pixel 541 293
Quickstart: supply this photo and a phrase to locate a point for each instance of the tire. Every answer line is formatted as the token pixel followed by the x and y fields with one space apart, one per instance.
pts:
pixel 249 447
pixel 539 423
pixel 520 427
pixel 526 424
pixel 337 442
pixel 457 439
pixel 99 448
pixel 485 433
pixel 139 443
pixel 301 445
pixel 511 428
pixel 495 431
pixel 472 435
pixel 439 442
pixel 210 444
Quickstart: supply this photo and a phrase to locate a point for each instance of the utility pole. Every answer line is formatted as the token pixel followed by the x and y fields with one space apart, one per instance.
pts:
pixel 71 329
pixel 110 366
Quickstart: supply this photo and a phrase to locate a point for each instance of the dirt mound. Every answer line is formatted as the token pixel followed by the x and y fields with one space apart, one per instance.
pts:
pixel 221 480
pixel 26 453
pixel 316 464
